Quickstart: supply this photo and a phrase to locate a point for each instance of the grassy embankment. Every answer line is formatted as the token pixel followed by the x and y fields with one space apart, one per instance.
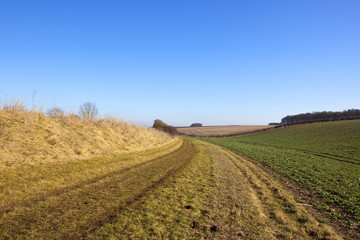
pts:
pixel 323 157
pixel 30 138
pixel 43 161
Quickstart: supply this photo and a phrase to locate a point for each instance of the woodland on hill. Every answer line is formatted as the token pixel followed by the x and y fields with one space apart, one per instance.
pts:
pixel 321 117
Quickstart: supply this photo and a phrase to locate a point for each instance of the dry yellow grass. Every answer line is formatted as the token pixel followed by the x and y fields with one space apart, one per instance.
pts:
pixel 218 131
pixel 32 138
pixel 21 184
pixel 70 200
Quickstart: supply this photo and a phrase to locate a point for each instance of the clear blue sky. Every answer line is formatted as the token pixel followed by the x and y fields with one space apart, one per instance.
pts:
pixel 214 62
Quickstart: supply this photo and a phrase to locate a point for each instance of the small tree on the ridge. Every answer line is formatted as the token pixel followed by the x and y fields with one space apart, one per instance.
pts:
pixel 55 112
pixel 88 111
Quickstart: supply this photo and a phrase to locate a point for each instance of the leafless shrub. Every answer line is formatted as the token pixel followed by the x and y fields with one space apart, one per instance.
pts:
pixel 88 111
pixel 55 112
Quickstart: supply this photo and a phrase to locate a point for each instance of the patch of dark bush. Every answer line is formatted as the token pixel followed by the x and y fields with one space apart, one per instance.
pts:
pixel 161 126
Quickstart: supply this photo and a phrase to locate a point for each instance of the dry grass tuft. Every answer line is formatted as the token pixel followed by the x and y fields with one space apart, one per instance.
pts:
pixel 30 137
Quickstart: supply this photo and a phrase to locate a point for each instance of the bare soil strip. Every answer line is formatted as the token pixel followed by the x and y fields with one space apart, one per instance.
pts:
pixel 78 211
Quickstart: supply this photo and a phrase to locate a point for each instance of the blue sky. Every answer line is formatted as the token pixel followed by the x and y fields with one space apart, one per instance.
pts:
pixel 214 62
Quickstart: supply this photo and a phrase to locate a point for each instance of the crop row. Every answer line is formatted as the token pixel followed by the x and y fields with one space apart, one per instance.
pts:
pixel 337 139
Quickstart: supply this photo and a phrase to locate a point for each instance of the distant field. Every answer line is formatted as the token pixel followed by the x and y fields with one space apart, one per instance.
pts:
pixel 323 157
pixel 218 131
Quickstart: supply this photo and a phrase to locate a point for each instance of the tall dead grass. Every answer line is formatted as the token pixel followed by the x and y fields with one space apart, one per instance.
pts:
pixel 30 137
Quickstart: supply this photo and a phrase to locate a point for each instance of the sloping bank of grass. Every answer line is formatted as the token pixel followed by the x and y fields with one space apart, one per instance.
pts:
pixel 31 138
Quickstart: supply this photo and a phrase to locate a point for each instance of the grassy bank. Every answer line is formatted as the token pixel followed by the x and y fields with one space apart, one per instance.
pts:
pixel 32 138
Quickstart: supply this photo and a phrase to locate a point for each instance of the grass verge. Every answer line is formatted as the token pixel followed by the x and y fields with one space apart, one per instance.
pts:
pixel 76 211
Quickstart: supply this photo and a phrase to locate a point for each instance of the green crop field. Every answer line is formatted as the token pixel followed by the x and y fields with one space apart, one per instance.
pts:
pixel 323 157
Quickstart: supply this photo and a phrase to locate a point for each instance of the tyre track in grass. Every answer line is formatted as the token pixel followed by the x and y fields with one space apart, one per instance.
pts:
pixel 80 210
pixel 219 195
pixel 172 211
pixel 83 184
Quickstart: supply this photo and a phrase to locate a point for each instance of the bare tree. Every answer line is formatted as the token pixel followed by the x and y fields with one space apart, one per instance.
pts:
pixel 88 111
pixel 55 112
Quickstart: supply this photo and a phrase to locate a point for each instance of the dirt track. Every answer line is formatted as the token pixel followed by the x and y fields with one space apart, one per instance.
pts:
pixel 219 195
pixel 197 191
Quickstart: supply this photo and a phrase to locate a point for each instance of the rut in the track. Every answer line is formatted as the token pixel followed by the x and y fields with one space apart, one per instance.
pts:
pixel 218 195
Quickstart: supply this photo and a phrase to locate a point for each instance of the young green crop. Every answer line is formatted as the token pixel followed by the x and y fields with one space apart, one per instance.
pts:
pixel 324 157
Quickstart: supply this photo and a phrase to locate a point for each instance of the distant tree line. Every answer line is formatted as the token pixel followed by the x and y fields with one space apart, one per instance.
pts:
pixel 161 126
pixel 321 117
pixel 274 124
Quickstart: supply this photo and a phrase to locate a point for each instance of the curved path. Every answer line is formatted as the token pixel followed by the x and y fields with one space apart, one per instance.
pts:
pixel 219 195
pixel 194 191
